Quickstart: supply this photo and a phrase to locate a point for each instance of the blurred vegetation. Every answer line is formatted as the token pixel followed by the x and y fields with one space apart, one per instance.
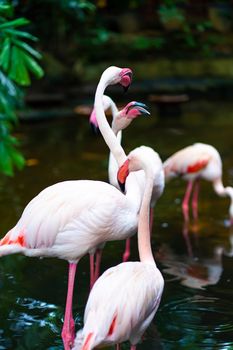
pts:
pixel 17 60
pixel 76 33
pixel 84 31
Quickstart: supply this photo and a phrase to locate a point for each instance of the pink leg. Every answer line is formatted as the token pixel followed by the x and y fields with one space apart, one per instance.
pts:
pixel 118 347
pixel 92 270
pixel 185 203
pixel 195 199
pixel 126 254
pixel 133 347
pixel 97 263
pixel 68 330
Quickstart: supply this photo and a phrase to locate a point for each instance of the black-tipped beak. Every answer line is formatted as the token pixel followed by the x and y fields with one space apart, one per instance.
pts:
pixel 122 186
pixel 94 128
pixel 140 107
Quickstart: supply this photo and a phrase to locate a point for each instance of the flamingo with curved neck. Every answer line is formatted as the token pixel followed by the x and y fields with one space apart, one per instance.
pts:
pixel 115 314
pixel 121 119
pixel 69 220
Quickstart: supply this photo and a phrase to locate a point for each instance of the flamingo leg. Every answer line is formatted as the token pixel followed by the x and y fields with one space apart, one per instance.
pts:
pixel 195 199
pixel 185 203
pixel 97 263
pixel 68 330
pixel 126 254
pixel 118 347
pixel 133 347
pixel 92 270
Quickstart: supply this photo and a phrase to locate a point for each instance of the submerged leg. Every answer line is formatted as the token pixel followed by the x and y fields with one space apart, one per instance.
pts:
pixel 185 203
pixel 68 330
pixel 126 254
pixel 195 199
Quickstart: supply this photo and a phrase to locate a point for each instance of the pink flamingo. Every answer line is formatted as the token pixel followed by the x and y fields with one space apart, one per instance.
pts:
pixel 121 119
pixel 124 300
pixel 72 218
pixel 195 162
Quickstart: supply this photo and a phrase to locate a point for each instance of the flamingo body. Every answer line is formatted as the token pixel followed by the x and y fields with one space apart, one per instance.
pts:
pixel 128 286
pixel 57 223
pixel 196 161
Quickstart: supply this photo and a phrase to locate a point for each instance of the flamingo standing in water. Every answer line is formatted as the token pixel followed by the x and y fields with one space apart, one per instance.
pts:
pixel 72 218
pixel 195 162
pixel 124 300
pixel 122 119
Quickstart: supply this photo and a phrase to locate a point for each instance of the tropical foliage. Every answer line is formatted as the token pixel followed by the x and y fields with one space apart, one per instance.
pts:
pixel 18 59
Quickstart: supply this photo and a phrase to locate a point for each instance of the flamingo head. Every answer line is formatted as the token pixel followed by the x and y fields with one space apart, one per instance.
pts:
pixel 132 163
pixel 122 174
pixel 125 116
pixel 126 78
pixel 115 75
pixel 146 159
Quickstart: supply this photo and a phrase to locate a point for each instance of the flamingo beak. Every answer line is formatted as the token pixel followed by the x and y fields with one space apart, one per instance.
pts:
pixel 93 123
pixel 126 78
pixel 133 109
pixel 122 174
pixel 95 128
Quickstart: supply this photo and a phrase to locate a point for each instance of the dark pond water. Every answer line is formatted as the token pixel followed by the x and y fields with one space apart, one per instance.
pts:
pixel 196 260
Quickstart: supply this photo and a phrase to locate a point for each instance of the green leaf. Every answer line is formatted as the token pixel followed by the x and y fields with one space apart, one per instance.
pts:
pixel 5 54
pixel 5 106
pixel 27 48
pixel 5 160
pixel 22 34
pixel 6 10
pixel 15 23
pixel 17 158
pixel 33 66
pixel 8 86
pixel 18 71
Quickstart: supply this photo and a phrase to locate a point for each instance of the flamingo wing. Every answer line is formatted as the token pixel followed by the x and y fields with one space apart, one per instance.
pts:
pixel 190 160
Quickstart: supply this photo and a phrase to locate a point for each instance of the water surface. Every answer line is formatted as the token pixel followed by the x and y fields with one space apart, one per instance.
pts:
pixel 196 260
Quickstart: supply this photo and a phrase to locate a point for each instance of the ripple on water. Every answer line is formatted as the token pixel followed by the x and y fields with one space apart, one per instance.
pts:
pixel 197 322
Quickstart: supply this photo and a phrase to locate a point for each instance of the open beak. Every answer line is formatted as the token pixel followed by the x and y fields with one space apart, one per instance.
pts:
pixel 126 78
pixel 136 108
pixel 122 174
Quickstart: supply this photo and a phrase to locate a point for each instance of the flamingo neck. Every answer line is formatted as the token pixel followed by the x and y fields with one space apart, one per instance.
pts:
pixel 144 242
pixel 104 127
pixel 223 192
